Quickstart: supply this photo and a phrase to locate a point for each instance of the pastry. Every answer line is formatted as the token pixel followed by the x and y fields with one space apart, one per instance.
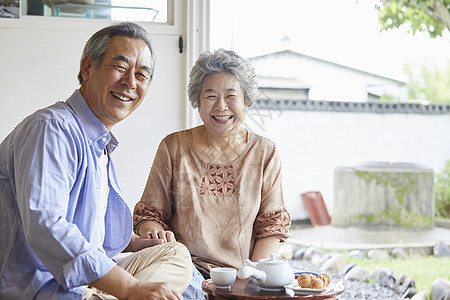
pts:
pixel 317 283
pixel 308 280
pixel 325 278
pixel 304 280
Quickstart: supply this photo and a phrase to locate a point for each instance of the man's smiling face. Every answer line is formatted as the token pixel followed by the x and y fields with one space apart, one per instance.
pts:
pixel 119 84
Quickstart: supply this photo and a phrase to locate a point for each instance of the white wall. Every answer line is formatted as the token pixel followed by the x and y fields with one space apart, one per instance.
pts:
pixel 327 81
pixel 313 143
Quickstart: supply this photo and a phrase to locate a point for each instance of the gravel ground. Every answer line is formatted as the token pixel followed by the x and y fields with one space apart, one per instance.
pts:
pixel 353 289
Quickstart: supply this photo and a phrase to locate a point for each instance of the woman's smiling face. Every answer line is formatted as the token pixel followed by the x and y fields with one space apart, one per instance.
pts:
pixel 119 84
pixel 222 106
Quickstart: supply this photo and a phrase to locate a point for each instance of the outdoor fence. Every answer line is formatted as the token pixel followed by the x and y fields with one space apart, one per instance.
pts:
pixel 315 137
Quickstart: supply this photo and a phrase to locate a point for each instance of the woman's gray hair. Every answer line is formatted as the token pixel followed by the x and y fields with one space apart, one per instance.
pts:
pixel 98 43
pixel 222 61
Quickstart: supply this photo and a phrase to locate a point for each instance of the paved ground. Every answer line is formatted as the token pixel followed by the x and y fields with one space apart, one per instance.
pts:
pixel 336 238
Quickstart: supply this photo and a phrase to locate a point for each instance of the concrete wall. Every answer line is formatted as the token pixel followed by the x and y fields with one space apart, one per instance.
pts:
pixel 313 143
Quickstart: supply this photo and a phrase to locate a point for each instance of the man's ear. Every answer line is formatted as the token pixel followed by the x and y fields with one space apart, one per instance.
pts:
pixel 86 65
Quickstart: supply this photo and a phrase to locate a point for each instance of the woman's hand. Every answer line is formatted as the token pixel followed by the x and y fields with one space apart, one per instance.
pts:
pixel 138 243
pixel 165 235
pixel 154 231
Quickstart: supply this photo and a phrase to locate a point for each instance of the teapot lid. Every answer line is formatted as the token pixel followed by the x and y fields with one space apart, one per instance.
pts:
pixel 272 260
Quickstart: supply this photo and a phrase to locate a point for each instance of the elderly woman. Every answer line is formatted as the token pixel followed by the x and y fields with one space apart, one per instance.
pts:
pixel 217 187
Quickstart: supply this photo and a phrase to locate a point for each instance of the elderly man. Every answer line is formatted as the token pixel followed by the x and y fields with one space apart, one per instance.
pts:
pixel 62 216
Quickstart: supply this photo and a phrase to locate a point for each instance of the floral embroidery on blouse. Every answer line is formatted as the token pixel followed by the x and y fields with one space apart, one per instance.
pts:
pixel 273 223
pixel 146 212
pixel 217 181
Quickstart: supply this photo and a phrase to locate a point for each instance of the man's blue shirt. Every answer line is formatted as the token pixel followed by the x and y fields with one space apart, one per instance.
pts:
pixel 49 189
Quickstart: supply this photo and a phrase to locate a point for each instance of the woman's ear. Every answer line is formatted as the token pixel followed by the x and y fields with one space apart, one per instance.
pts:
pixel 246 105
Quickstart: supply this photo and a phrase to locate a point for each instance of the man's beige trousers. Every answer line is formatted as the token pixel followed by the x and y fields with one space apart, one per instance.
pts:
pixel 169 262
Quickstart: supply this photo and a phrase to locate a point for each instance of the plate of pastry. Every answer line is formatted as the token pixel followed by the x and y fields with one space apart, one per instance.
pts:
pixel 308 283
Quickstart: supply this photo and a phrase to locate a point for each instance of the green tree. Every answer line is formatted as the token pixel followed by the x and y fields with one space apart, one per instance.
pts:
pixel 432 16
pixel 428 82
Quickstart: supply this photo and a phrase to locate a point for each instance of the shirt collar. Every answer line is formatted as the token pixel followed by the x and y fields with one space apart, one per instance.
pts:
pixel 94 128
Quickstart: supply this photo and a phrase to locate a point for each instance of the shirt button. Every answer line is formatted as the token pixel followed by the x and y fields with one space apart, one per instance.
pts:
pixel 90 142
pixel 104 139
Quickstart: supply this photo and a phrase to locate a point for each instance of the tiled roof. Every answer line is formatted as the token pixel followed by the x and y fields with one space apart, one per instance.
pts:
pixel 341 106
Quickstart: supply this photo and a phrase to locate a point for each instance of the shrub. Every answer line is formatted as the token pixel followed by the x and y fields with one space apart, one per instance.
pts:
pixel 442 192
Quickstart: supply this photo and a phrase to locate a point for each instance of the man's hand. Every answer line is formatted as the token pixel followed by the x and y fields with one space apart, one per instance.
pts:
pixel 121 284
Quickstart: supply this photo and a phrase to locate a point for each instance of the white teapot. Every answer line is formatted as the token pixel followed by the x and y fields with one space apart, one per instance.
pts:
pixel 270 274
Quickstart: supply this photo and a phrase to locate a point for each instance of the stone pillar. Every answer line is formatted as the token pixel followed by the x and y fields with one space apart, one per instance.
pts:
pixel 382 195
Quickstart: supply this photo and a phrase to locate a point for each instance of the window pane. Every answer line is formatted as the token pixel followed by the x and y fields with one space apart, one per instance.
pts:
pixel 9 8
pixel 123 10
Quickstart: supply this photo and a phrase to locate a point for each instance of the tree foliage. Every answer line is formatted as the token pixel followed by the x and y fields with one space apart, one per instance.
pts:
pixel 442 192
pixel 432 16
pixel 429 82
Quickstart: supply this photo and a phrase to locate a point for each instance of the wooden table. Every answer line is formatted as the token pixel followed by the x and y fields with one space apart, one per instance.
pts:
pixel 244 289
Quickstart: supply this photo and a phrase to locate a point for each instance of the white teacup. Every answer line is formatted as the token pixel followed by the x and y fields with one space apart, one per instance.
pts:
pixel 223 278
